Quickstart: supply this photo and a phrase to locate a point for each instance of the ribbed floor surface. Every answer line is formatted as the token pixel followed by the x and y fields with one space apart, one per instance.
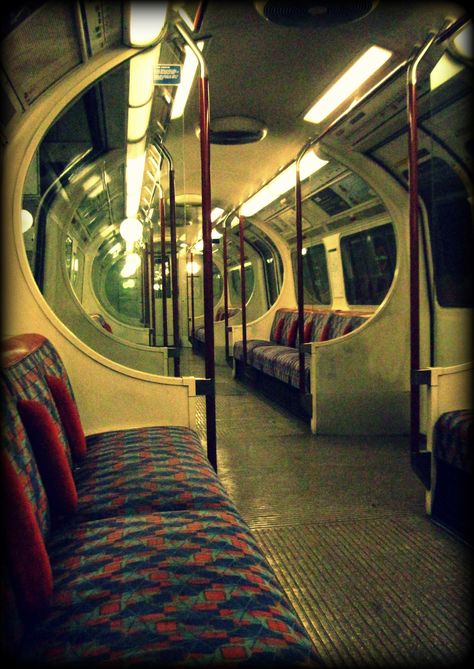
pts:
pixel 342 522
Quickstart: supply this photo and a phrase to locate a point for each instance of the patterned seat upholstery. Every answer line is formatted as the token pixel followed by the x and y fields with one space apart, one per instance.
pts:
pixel 453 439
pixel 187 589
pixel 146 470
pixel 279 357
pixel 199 332
pixel 155 567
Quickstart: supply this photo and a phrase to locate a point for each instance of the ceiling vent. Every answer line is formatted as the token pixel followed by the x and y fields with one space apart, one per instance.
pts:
pixel 231 130
pixel 314 14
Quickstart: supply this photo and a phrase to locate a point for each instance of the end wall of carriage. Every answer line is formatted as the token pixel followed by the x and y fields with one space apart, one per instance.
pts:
pixel 360 382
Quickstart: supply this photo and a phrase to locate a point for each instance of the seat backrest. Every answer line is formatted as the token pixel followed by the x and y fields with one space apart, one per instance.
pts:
pixel 18 451
pixel 26 361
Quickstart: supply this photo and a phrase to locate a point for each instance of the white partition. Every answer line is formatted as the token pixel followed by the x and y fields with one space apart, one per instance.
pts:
pixel 110 395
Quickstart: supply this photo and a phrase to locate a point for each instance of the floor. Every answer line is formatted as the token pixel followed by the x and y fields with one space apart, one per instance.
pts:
pixel 341 520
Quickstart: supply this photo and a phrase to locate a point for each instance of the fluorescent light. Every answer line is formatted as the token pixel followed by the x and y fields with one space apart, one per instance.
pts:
pixel 445 69
pixel 187 77
pixel 141 85
pixel 146 21
pixel 282 183
pixel 348 83
pixel 216 213
pixel 134 176
pixel 463 42
pixel 138 120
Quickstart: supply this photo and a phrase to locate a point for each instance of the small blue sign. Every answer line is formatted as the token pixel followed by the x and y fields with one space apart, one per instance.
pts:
pixel 167 75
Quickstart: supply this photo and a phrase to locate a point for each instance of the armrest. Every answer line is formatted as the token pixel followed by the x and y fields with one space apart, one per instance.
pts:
pixel 450 387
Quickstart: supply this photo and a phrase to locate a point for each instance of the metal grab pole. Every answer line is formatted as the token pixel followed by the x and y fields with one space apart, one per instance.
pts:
pixel 414 271
pixel 298 204
pixel 299 276
pixel 193 327
pixel 243 289
pixel 164 281
pixel 226 296
pixel 207 241
pixel 152 287
pixel 174 254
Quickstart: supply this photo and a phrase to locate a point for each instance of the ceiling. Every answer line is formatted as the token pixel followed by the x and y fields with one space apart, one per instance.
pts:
pixel 258 69
pixel 274 73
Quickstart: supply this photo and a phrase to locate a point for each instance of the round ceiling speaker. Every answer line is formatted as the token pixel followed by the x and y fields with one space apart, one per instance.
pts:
pixel 230 130
pixel 314 14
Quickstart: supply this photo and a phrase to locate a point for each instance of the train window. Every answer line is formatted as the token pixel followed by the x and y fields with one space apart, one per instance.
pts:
pixel 315 275
pixel 217 284
pixel 450 224
pixel 234 283
pixel 271 264
pixel 198 290
pixel 124 294
pixel 368 259
pixel 157 277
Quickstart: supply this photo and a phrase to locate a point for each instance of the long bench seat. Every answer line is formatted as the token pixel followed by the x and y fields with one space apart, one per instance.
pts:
pixel 278 356
pixel 123 547
pixel 219 317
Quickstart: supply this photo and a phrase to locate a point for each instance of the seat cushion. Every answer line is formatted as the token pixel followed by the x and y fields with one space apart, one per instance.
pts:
pixel 453 439
pixel 172 588
pixel 145 470
pixel 252 344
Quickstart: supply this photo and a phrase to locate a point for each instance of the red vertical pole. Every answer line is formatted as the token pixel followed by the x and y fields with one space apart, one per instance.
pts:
pixel 174 272
pixel 414 272
pixel 226 296
pixel 243 288
pixel 193 328
pixel 164 281
pixel 299 275
pixel 206 237
pixel 152 288
pixel 207 269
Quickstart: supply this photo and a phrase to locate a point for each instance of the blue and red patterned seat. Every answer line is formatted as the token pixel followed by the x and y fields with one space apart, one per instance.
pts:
pixel 278 356
pixel 154 566
pixel 453 439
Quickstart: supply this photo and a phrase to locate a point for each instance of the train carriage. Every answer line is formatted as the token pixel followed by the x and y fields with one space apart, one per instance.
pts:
pixel 237 332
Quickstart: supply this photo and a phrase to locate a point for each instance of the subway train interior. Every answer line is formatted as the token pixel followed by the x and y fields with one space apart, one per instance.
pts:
pixel 236 333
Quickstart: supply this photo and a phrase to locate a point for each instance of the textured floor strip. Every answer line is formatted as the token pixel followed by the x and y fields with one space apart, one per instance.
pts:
pixel 342 522
pixel 378 592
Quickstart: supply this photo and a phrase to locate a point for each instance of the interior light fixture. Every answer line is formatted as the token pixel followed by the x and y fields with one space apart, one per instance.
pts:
pixel 132 263
pixel 131 230
pixel 348 83
pixel 134 176
pixel 282 183
pixel 445 69
pixel 193 268
pixel 144 22
pixel 138 121
pixel 462 43
pixel 26 220
pixel 187 77
pixel 216 213
pixel 141 84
